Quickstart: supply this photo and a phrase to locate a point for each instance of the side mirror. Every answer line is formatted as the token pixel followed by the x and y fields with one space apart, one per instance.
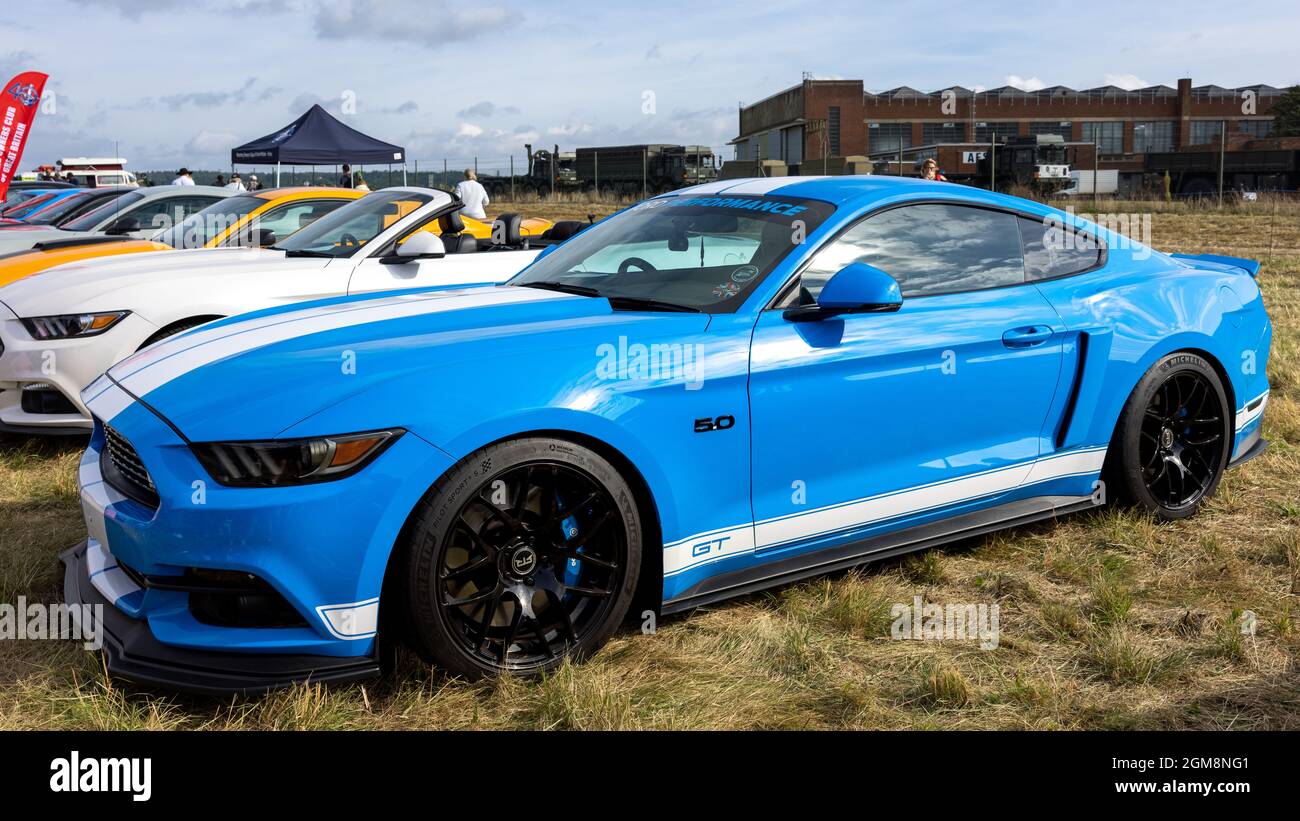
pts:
pixel 856 288
pixel 420 245
pixel 262 238
pixel 122 225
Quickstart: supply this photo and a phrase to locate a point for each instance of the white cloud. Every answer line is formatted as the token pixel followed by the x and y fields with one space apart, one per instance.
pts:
pixel 469 130
pixel 426 22
pixel 207 143
pixel 1025 83
pixel 1125 81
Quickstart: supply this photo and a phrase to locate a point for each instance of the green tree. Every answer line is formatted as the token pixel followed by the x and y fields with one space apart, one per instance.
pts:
pixel 1286 113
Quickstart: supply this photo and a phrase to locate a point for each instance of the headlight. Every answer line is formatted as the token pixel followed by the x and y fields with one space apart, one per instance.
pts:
pixel 291 461
pixel 69 326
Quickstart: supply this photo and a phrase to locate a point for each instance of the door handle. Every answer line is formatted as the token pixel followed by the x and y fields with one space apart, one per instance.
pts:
pixel 1027 336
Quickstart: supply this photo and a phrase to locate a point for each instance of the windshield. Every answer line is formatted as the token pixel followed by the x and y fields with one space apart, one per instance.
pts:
pixel 201 227
pixel 71 206
pixel 90 220
pixel 702 253
pixel 343 232
pixel 19 208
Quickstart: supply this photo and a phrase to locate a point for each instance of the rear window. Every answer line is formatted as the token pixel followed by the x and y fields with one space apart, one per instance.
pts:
pixel 1052 250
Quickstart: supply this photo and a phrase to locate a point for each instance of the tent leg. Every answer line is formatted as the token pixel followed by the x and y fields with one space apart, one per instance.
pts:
pixel 277 174
pixel 403 173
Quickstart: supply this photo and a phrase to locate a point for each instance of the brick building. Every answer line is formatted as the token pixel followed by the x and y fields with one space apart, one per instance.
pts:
pixel 838 118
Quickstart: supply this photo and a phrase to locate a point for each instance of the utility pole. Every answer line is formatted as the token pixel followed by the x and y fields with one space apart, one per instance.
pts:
pixel 1223 140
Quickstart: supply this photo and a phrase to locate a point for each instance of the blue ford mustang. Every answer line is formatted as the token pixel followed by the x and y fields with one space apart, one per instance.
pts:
pixel 725 388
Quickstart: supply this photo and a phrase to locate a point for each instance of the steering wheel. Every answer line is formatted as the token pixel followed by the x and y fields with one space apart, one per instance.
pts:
pixel 348 240
pixel 626 265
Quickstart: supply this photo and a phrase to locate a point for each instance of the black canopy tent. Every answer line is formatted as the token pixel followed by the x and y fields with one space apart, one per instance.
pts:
pixel 317 138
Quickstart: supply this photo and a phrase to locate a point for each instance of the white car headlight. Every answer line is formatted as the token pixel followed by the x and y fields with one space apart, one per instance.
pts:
pixel 70 326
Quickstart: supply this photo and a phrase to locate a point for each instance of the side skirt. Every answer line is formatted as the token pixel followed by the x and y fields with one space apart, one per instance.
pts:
pixel 874 548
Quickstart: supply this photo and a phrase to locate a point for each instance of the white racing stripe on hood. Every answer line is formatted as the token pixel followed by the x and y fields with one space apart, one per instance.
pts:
pixel 769 185
pixel 105 399
pixel 159 364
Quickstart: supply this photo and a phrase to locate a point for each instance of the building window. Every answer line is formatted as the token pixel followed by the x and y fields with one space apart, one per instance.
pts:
pixel 833 131
pixel 1153 136
pixel 890 136
pixel 995 132
pixel 1109 137
pixel 1256 128
pixel 1061 129
pixel 1205 132
pixel 935 133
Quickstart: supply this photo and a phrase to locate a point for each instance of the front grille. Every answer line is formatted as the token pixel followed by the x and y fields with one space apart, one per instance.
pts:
pixel 124 470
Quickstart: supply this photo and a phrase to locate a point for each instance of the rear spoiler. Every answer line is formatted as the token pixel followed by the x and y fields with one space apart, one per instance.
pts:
pixel 1250 266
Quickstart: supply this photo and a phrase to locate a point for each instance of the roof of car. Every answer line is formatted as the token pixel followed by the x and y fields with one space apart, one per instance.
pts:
pixel 306 190
pixel 859 190
pixel 153 192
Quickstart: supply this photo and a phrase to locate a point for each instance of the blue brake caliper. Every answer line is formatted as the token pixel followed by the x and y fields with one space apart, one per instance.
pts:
pixel 573 567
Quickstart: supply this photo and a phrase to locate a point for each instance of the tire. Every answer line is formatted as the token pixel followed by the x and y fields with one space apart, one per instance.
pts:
pixel 175 328
pixel 488 560
pixel 1174 437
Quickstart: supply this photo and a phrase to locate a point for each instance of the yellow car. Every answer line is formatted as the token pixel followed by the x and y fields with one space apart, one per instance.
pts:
pixel 227 222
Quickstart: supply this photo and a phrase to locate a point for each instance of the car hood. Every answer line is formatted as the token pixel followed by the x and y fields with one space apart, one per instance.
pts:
pixel 101 284
pixel 257 376
pixel 19 237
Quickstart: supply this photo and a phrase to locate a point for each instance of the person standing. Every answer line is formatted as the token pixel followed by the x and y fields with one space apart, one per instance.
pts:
pixel 471 192
pixel 236 184
pixel 361 183
pixel 345 181
pixel 183 177
pixel 253 184
pixel 221 180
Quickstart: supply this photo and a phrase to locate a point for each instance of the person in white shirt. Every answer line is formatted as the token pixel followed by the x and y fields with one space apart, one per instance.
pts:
pixel 183 177
pixel 236 184
pixel 471 192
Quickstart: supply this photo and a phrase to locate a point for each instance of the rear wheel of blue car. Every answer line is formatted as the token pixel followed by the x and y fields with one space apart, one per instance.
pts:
pixel 524 554
pixel 1175 437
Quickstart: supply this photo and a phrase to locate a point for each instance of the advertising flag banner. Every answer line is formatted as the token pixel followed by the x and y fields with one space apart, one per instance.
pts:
pixel 18 103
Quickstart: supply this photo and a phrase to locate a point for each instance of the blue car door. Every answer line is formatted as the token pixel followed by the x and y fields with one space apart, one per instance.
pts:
pixel 868 422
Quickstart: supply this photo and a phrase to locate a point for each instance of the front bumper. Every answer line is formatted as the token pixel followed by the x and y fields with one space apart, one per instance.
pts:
pixel 132 652
pixel 322 549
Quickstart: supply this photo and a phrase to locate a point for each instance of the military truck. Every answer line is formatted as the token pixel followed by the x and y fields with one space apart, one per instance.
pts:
pixel 1196 173
pixel 546 171
pixel 653 168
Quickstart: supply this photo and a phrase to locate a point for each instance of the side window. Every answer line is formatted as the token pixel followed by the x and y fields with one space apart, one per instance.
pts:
pixel 157 214
pixel 1052 250
pixel 930 249
pixel 286 219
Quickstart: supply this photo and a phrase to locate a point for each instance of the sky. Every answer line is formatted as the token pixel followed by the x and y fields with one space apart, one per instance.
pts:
pixel 167 83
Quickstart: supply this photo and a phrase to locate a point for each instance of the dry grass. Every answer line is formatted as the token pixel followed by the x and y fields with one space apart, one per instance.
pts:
pixel 1108 619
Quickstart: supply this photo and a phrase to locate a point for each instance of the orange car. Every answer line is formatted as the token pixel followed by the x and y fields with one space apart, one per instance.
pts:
pixel 227 222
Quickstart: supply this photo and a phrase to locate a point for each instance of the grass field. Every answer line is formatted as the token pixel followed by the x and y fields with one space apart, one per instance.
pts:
pixel 1108 619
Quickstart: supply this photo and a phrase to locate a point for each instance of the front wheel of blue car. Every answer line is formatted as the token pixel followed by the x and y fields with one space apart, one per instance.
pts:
pixel 524 554
pixel 1175 437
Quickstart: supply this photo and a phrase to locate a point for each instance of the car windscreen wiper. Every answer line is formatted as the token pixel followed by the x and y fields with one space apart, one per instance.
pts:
pixel 303 252
pixel 640 303
pixel 563 287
